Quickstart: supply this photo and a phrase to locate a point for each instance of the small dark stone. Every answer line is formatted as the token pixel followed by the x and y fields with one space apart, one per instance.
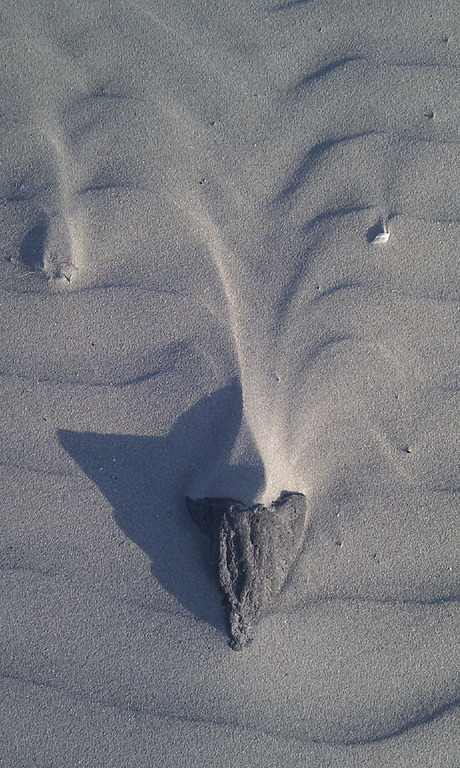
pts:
pixel 254 549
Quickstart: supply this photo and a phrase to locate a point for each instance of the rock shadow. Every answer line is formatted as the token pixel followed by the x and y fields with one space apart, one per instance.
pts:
pixel 146 480
pixel 32 248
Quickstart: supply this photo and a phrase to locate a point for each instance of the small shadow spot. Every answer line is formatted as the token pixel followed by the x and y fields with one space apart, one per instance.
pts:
pixel 32 248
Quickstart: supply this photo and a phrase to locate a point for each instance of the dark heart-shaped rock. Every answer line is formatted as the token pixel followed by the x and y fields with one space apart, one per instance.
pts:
pixel 254 549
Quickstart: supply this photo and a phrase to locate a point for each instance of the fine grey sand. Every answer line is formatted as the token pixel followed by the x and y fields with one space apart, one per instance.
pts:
pixel 192 305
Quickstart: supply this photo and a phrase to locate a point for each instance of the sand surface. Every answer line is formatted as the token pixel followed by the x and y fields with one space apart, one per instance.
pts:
pixel 192 304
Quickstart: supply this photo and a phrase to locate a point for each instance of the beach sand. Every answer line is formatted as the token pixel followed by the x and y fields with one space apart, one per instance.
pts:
pixel 193 305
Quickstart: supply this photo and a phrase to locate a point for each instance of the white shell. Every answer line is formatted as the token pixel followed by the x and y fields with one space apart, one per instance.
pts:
pixel 382 237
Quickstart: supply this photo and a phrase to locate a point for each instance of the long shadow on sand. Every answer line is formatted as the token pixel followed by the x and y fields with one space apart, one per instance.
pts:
pixel 146 479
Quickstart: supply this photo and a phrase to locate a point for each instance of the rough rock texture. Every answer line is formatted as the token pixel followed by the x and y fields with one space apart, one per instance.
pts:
pixel 254 549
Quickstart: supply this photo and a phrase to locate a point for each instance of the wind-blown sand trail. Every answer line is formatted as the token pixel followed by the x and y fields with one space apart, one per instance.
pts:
pixel 192 305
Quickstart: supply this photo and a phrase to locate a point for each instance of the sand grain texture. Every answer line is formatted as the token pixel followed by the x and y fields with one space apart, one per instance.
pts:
pixel 192 305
